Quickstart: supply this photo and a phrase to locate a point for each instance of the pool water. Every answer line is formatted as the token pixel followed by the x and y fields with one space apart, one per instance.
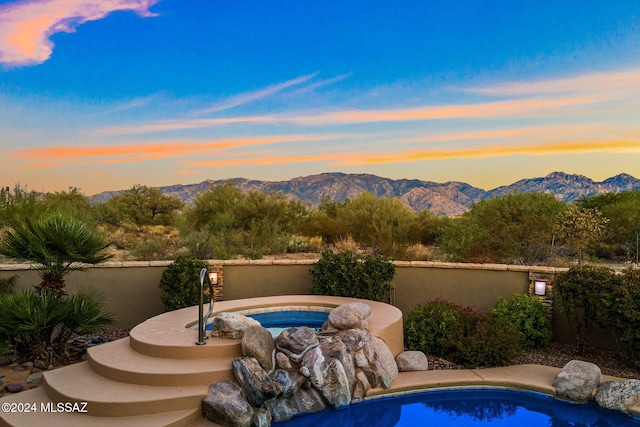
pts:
pixel 278 321
pixel 467 407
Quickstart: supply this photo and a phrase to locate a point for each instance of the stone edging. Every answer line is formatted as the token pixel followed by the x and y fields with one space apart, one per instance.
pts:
pixel 283 262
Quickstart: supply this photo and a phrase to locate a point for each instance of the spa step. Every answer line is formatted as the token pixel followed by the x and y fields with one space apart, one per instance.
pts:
pixel 105 397
pixel 119 362
pixel 185 417
pixel 164 339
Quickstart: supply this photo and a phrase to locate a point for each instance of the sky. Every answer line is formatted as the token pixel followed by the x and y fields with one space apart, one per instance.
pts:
pixel 107 94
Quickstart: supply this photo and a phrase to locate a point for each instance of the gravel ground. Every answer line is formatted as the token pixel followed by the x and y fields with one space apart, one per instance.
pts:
pixel 558 355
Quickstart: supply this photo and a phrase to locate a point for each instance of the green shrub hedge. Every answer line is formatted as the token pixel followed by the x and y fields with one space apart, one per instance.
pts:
pixel 462 334
pixel 180 283
pixel 346 274
pixel 529 315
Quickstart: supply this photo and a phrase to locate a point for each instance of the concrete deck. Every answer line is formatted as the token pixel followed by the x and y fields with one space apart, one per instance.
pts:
pixel 158 376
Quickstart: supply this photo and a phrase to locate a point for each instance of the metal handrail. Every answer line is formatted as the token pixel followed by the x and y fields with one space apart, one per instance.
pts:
pixel 202 319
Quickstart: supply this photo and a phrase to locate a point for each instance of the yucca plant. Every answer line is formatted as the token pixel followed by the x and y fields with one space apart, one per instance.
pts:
pixel 40 324
pixel 56 246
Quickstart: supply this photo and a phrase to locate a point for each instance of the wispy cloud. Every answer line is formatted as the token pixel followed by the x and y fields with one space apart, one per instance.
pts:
pixel 494 151
pixel 592 82
pixel 515 108
pixel 147 151
pixel 247 97
pixel 26 26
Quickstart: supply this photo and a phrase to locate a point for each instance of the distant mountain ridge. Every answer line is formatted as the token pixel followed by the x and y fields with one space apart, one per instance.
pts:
pixel 449 198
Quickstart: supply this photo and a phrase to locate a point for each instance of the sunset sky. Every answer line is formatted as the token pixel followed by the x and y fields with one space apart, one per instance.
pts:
pixel 106 94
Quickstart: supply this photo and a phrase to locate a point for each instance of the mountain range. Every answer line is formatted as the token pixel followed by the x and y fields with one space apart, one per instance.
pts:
pixel 449 198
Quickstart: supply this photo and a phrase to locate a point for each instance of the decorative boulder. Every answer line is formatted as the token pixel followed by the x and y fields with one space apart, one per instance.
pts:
pixel 305 401
pixel 577 381
pixel 256 383
pixel 618 395
pixel 409 361
pixel 336 385
pixel 233 410
pixel 295 342
pixel 231 325
pixel 258 342
pixel 350 316
pixel 381 361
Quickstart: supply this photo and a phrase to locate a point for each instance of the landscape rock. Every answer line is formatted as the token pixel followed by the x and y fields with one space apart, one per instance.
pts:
pixel 258 387
pixel 231 325
pixel 618 395
pixel 35 378
pixel 290 381
pixel 257 342
pixel 230 410
pixel 336 388
pixel 40 364
pixel 295 342
pixel 409 361
pixel 5 361
pixel 305 401
pixel 13 388
pixel 350 316
pixel 381 361
pixel 577 380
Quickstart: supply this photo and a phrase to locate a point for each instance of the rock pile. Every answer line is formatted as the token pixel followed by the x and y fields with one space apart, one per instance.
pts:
pixel 301 371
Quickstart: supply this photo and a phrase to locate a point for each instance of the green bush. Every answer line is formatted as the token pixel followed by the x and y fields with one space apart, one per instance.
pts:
pixel 461 334
pixel 585 293
pixel 622 314
pixel 7 284
pixel 180 283
pixel 357 276
pixel 529 315
pixel 41 323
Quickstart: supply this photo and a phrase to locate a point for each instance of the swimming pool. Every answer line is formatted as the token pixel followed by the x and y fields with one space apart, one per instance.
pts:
pixel 466 407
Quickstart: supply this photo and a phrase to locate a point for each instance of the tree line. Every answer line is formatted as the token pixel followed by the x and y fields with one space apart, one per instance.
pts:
pixel 225 222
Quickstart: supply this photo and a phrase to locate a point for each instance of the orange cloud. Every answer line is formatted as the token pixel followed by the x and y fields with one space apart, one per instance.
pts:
pixel 517 108
pixel 28 25
pixel 572 147
pixel 133 152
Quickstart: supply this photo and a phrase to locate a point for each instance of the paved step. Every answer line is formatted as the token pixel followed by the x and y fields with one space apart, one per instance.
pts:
pixel 117 361
pixel 105 397
pixel 187 417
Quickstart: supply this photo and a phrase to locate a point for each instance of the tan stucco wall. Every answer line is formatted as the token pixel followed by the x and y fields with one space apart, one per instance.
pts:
pixel 133 294
pixel 470 287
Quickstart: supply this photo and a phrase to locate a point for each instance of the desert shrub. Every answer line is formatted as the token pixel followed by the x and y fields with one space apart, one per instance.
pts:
pixel 461 334
pixel 492 342
pixel 180 283
pixel 529 315
pixel 621 314
pixel 298 244
pixel 153 248
pixel 40 324
pixel 349 275
pixel 431 327
pixel 7 284
pixel 585 294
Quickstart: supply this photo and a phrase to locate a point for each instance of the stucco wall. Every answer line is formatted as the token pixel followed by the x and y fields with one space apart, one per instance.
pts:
pixel 133 294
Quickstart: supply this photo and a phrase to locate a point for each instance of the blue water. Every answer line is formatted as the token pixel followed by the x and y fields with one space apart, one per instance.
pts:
pixel 471 407
pixel 277 321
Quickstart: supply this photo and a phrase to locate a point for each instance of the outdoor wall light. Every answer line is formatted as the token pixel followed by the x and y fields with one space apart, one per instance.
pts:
pixel 213 278
pixel 540 287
